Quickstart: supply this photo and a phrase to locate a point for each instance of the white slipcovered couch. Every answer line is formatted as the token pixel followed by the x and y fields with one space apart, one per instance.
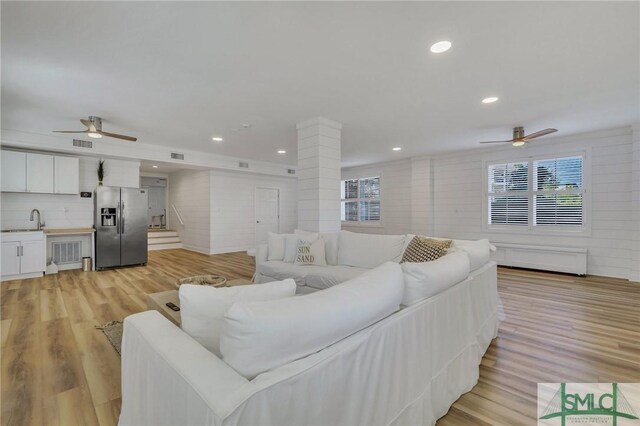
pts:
pixel 349 254
pixel 352 354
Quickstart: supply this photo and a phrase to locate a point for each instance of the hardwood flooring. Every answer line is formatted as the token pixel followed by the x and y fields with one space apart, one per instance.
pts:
pixel 57 369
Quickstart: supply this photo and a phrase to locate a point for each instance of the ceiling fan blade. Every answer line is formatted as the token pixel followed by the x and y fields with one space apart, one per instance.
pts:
pixel 498 141
pixel 539 134
pixel 70 131
pixel 115 135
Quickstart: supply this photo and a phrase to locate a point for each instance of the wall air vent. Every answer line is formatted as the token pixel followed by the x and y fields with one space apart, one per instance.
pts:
pixel 82 144
pixel 243 165
pixel 291 171
pixel 177 156
pixel 64 252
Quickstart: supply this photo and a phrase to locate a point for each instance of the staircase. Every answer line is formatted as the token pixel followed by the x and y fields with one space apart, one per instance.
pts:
pixel 163 239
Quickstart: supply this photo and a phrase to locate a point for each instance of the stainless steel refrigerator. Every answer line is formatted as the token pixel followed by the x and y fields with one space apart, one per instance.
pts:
pixel 121 226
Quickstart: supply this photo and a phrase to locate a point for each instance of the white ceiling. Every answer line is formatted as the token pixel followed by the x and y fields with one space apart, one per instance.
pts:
pixel 176 74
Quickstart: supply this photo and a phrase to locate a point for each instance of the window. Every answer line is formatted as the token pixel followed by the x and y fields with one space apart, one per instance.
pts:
pixel 536 193
pixel 360 200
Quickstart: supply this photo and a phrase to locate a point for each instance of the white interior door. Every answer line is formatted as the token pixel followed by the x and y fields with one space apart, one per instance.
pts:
pixel 157 202
pixel 267 213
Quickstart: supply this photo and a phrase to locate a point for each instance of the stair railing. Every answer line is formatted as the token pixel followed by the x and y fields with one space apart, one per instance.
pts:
pixel 173 206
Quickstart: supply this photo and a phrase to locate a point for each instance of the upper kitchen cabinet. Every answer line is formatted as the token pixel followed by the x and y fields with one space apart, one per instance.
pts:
pixel 39 173
pixel 14 171
pixel 67 175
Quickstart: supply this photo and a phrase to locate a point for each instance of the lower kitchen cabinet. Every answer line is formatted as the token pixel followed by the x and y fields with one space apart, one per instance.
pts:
pixel 23 254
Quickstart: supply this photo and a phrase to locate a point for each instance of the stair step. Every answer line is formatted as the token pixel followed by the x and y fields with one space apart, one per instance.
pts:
pixel 162 234
pixel 153 241
pixel 165 246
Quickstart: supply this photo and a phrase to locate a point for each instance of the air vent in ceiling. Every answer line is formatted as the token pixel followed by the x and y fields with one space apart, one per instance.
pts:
pixel 177 156
pixel 243 165
pixel 82 144
pixel 291 171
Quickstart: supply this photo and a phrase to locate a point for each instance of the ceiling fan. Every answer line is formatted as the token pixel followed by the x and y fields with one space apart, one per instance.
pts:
pixel 520 139
pixel 94 130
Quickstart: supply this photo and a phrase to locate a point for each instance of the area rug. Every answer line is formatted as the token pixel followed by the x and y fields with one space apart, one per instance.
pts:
pixel 113 331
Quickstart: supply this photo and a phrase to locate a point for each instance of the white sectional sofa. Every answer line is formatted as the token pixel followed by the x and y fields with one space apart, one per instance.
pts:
pixel 363 352
pixel 349 254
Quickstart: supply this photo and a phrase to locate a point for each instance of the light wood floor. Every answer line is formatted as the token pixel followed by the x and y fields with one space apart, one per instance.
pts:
pixel 57 369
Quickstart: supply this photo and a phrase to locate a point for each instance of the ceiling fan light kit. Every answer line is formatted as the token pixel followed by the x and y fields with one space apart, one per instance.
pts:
pixel 94 130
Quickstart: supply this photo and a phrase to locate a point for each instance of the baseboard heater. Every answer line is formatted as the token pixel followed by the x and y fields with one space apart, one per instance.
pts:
pixel 571 260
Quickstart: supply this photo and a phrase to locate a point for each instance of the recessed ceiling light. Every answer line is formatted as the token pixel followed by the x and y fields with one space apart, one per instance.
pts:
pixel 490 100
pixel 217 139
pixel 441 46
pixel 282 151
pixel 397 148
pixel 155 167
pixel 94 135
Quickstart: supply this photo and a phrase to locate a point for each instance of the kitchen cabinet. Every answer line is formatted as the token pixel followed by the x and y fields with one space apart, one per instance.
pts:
pixel 67 175
pixel 40 173
pixel 14 171
pixel 23 254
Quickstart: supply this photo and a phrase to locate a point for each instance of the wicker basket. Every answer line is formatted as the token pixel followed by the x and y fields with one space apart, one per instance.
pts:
pixel 212 280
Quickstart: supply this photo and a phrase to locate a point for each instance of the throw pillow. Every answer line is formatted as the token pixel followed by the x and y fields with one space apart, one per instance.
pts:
pixel 277 244
pixel 311 253
pixel 291 246
pixel 423 249
pixel 202 308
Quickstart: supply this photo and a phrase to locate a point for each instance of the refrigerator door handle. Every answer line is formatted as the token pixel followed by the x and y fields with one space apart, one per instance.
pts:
pixel 117 218
pixel 122 217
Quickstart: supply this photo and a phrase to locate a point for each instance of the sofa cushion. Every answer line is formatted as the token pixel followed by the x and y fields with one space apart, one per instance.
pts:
pixel 478 251
pixel 261 336
pixel 276 243
pixel 279 270
pixel 423 280
pixel 202 308
pixel 423 249
pixel 369 250
pixel 332 275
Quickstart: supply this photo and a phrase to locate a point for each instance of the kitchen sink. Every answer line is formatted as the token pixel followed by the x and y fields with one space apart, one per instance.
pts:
pixel 22 230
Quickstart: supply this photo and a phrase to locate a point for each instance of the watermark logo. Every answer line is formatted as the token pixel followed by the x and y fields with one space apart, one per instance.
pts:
pixel 615 404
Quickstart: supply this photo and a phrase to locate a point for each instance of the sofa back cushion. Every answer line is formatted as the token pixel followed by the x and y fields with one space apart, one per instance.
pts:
pixel 276 244
pixel 369 250
pixel 260 336
pixel 478 251
pixel 202 307
pixel 423 280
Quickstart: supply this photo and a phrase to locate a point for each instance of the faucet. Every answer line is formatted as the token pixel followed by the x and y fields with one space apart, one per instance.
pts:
pixel 39 224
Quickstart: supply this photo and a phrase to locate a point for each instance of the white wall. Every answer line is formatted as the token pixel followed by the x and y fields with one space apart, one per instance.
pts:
pixel 458 198
pixel 233 208
pixel 65 211
pixel 190 193
pixel 395 192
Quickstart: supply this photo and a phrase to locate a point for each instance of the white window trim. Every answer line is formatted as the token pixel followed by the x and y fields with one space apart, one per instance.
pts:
pixel 367 223
pixel 531 229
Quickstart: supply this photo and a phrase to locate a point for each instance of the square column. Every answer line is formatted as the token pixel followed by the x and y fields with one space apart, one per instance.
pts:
pixel 421 196
pixel 318 173
pixel 635 204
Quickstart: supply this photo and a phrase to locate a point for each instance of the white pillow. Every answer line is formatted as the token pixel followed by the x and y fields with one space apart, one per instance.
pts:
pixel 311 253
pixel 202 307
pixel 426 279
pixel 369 250
pixel 478 251
pixel 330 244
pixel 260 336
pixel 276 243
pixel 291 245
